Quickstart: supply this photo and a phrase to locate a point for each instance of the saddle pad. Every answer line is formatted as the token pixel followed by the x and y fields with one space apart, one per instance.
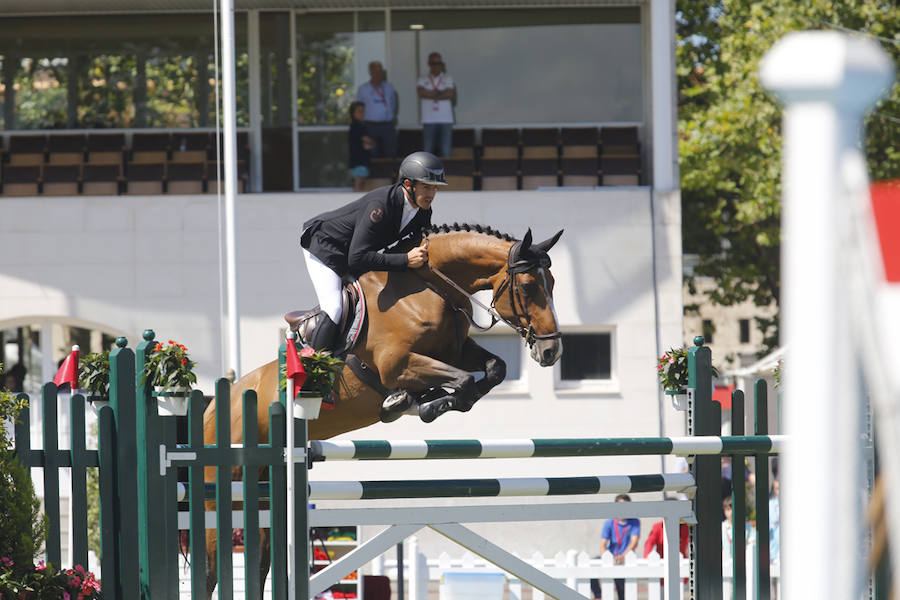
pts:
pixel 358 318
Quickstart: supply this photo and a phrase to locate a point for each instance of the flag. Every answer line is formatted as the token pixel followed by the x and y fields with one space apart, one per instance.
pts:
pixel 295 371
pixel 68 371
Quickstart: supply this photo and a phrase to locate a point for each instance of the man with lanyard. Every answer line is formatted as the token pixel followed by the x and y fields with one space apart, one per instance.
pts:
pixel 380 99
pixel 619 536
pixel 347 241
pixel 438 93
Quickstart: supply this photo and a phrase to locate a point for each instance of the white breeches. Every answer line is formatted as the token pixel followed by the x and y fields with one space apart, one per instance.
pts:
pixel 327 284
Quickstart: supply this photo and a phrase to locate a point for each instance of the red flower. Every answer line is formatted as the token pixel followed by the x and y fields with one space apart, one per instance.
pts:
pixel 158 347
pixel 184 361
pixel 307 351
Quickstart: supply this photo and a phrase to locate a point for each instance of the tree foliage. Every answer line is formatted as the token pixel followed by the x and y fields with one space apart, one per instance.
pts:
pixel 730 134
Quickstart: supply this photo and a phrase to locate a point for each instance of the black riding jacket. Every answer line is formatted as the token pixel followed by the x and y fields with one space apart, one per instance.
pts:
pixel 349 239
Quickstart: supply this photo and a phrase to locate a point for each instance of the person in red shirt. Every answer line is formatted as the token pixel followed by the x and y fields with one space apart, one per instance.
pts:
pixel 655 540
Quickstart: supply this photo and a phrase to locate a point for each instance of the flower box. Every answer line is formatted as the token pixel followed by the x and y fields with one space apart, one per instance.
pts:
pixel 171 401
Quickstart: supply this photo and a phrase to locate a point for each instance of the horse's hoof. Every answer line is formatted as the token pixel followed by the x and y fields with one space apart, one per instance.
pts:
pixel 429 411
pixel 395 405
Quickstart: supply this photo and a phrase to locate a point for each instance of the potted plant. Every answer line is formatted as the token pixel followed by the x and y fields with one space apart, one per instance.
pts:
pixel 93 373
pixel 672 370
pixel 321 370
pixel 170 371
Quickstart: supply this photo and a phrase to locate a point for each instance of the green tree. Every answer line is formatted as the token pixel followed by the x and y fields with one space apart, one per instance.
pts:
pixel 730 134
pixel 23 528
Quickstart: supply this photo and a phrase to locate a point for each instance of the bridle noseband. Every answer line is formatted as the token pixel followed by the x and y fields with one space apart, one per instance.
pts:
pixel 517 301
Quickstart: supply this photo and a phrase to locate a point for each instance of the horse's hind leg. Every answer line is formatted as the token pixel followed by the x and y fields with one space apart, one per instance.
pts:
pixel 265 560
pixel 211 565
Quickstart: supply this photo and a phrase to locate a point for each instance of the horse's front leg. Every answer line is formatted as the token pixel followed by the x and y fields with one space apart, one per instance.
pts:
pixel 476 358
pixel 419 373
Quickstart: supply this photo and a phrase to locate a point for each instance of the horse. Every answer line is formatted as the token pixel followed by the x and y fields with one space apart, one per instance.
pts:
pixel 416 339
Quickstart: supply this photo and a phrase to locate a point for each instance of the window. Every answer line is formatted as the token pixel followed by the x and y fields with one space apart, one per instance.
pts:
pixel 507 347
pixel 745 330
pixel 708 330
pixel 586 356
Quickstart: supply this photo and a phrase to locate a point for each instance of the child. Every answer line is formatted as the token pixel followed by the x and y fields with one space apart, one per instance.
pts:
pixel 360 143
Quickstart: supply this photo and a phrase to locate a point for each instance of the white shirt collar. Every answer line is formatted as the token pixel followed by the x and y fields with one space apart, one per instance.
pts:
pixel 409 211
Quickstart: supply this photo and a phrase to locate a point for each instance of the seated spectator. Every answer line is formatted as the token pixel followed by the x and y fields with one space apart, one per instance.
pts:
pixel 728 532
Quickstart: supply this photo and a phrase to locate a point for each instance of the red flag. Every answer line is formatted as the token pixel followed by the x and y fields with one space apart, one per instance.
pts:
pixel 68 371
pixel 295 371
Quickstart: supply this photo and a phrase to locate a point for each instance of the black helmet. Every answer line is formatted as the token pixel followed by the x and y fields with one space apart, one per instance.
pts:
pixel 424 167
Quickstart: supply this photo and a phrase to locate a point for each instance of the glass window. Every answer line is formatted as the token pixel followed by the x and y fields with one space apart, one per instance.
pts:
pixel 586 356
pixel 708 330
pixel 525 66
pixel 507 347
pixel 745 330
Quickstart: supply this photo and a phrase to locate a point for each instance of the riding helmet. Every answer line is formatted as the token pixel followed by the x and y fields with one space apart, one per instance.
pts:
pixel 424 167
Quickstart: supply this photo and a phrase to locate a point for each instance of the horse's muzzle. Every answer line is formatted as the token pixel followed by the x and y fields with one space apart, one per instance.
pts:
pixel 547 352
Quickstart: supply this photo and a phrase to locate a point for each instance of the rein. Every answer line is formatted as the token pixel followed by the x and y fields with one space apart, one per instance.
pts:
pixel 517 302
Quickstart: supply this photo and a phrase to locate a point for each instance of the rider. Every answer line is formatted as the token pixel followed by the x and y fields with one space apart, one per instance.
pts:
pixel 346 241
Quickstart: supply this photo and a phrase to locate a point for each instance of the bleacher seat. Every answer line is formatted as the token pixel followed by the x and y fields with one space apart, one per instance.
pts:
pixel 215 171
pixel 460 174
pixel 66 149
pixel 463 143
pixel 409 141
pixel 150 148
pixel 101 179
pixel 579 142
pixel 620 170
pixel 381 172
pixel 21 180
pixel 25 150
pixel 185 177
pixel 190 147
pixel 499 174
pixel 145 178
pixel 579 171
pixel 106 149
pixel 61 180
pixel 500 143
pixel 539 172
pixel 619 141
pixel 540 143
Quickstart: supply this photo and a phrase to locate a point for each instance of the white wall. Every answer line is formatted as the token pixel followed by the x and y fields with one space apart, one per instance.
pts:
pixel 129 263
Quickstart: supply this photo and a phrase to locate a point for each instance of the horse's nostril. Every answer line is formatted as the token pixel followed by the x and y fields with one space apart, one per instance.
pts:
pixel 549 353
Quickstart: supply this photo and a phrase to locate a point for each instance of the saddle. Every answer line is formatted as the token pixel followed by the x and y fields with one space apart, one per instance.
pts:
pixel 353 315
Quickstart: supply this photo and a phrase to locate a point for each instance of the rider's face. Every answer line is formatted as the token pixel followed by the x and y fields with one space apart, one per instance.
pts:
pixel 423 194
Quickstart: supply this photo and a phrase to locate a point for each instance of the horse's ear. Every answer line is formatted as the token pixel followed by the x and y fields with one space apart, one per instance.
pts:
pixel 547 244
pixel 526 241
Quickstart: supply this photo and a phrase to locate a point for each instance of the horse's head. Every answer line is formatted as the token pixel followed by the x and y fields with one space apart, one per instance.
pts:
pixel 524 297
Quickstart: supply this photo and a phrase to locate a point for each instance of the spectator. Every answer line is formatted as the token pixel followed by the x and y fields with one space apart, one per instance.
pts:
pixel 438 97
pixel 655 539
pixel 728 531
pixel 619 536
pixel 380 99
pixel 774 522
pixel 360 144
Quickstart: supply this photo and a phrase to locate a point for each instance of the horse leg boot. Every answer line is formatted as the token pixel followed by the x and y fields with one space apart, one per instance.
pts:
pixel 324 336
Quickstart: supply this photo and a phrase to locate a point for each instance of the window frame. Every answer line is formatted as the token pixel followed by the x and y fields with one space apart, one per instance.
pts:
pixel 580 387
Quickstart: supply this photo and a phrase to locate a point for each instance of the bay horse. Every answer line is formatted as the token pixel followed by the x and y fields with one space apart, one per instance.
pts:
pixel 416 339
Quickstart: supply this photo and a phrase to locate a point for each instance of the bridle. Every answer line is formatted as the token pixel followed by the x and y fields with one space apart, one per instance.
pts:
pixel 517 300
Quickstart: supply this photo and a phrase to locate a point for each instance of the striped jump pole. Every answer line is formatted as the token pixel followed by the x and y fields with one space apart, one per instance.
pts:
pixel 746 445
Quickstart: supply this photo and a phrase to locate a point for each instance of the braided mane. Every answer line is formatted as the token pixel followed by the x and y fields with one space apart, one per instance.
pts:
pixel 485 229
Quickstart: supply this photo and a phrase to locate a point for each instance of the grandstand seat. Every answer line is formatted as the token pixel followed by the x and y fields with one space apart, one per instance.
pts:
pixel 101 179
pixel 409 141
pixel 243 146
pixel 499 174
pixel 190 147
pixel 539 172
pixel 145 178
pixel 106 149
pixel 463 143
pixel 381 172
pixel 460 174
pixel 150 148
pixel 579 142
pixel 215 172
pixel 579 172
pixel 620 170
pixel 540 143
pixel 619 141
pixel 500 143
pixel 21 180
pixel 185 177
pixel 66 149
pixel 27 150
pixel 61 180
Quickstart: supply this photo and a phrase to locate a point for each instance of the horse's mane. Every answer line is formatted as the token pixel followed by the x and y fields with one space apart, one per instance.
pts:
pixel 407 243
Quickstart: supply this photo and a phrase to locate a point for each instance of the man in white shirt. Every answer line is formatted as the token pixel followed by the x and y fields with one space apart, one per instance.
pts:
pixel 437 94
pixel 380 99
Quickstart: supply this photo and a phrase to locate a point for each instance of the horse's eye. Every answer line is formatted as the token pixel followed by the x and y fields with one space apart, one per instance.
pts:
pixel 530 288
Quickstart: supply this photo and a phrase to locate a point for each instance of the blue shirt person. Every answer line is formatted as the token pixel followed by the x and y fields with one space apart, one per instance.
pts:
pixel 380 99
pixel 619 536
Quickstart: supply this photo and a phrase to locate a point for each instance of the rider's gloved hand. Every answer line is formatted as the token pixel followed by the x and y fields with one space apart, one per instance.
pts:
pixel 417 257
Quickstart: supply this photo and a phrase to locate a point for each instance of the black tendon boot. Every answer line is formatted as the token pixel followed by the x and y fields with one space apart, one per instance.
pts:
pixel 324 336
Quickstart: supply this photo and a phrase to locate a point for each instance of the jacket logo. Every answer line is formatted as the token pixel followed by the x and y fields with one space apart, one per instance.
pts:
pixel 376 215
